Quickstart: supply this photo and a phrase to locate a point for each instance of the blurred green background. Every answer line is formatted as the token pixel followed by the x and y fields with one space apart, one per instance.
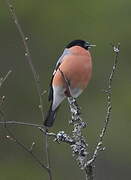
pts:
pixel 50 25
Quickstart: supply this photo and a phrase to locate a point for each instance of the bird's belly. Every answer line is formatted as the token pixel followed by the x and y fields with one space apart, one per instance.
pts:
pixel 75 92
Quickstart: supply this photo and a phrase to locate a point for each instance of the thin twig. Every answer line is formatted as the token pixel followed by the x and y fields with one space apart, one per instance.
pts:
pixel 48 156
pixel 22 123
pixel 27 54
pixel 59 137
pixel 1 103
pixel 35 74
pixel 47 150
pixel 109 106
pixel 14 139
pixel 3 79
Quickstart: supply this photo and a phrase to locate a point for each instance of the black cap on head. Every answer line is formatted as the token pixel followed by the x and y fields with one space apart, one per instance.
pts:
pixel 80 43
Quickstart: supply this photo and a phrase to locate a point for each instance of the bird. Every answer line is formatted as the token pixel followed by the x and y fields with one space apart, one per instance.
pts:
pixel 71 76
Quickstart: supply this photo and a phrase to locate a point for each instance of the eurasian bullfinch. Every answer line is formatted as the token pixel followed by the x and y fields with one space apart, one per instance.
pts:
pixel 75 64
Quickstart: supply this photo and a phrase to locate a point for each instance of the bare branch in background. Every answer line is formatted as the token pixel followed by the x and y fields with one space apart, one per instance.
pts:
pixel 3 79
pixel 35 75
pixel 22 123
pixel 27 54
pixel 13 138
pixel 108 92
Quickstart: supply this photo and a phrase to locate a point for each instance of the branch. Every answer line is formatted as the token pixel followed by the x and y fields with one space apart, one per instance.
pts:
pixel 35 74
pixel 3 79
pixel 59 137
pixel 22 123
pixel 27 54
pixel 108 92
pixel 80 147
pixel 29 150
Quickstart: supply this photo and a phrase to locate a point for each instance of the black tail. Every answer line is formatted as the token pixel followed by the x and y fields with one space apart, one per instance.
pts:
pixel 50 118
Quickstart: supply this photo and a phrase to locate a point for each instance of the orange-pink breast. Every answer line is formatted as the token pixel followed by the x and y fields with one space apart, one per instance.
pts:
pixel 77 68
